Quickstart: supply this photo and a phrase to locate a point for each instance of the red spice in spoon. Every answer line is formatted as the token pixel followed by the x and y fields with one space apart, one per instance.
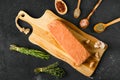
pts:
pixel 61 7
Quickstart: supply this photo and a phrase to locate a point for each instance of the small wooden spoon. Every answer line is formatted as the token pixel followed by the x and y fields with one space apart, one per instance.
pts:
pixel 100 27
pixel 61 7
pixel 84 23
pixel 77 11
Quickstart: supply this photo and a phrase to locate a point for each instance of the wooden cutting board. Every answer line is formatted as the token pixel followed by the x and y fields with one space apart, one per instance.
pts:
pixel 41 37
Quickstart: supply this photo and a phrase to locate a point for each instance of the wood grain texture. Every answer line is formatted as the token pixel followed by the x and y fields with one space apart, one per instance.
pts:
pixel 42 37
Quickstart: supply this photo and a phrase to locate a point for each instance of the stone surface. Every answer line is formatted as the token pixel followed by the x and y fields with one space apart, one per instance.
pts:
pixel 16 66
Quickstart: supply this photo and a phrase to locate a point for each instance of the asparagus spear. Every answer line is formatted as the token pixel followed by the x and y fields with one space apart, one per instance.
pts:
pixel 52 69
pixel 32 52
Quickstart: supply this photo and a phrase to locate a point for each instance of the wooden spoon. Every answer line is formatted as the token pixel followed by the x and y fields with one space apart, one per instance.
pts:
pixel 84 23
pixel 77 11
pixel 61 7
pixel 100 27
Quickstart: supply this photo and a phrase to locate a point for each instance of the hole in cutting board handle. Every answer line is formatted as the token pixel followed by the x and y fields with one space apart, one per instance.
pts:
pixel 22 15
pixel 25 25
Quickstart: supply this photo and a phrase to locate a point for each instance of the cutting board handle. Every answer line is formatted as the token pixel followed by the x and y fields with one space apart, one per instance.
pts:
pixel 25 17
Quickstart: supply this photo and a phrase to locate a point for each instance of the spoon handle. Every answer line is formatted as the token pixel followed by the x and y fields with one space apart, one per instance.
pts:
pixel 94 9
pixel 113 22
pixel 78 5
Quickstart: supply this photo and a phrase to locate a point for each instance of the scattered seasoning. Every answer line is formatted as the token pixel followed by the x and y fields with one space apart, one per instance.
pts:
pixel 92 64
pixel 97 55
pixel 99 44
pixel 87 41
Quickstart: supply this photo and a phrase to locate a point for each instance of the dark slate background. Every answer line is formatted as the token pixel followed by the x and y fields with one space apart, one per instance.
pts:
pixel 16 66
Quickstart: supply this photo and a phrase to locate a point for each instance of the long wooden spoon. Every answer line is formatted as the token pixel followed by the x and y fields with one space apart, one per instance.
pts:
pixel 84 23
pixel 100 27
pixel 77 11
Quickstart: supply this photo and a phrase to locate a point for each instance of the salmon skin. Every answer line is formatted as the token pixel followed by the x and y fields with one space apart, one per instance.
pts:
pixel 73 48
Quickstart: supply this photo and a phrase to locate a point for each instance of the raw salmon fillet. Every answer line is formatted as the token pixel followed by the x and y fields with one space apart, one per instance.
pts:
pixel 73 48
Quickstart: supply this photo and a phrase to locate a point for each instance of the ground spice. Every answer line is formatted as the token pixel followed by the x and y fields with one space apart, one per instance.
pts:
pixel 60 6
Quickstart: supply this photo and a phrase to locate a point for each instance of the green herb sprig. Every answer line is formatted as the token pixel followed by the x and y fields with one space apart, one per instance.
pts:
pixel 52 69
pixel 32 52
